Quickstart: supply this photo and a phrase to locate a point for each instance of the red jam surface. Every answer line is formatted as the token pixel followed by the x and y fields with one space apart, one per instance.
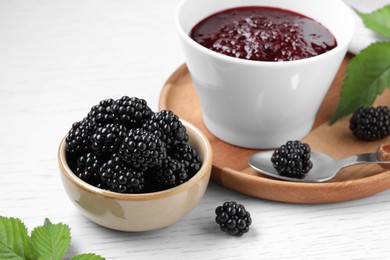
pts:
pixel 263 34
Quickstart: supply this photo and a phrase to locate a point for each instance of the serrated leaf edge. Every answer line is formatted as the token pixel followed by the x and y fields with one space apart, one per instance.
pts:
pixel 11 224
pixel 340 110
pixel 43 241
pixel 368 20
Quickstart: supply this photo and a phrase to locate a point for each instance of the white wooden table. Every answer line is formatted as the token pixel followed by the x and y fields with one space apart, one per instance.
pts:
pixel 59 58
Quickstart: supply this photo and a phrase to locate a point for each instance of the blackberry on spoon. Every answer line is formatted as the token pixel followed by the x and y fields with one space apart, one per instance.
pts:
pixel 292 159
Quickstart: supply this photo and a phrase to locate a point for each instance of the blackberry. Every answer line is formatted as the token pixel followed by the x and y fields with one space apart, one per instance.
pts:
pixel 131 111
pixel 142 149
pixel 292 159
pixel 189 157
pixel 168 127
pixel 233 218
pixel 171 173
pixel 102 113
pixel 119 177
pixel 370 123
pixel 78 138
pixel 87 168
pixel 107 138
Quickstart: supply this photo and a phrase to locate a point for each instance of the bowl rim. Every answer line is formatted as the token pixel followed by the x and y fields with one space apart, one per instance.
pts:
pixel 204 172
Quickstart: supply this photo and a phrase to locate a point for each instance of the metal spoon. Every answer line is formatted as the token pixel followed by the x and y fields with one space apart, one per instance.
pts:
pixel 324 166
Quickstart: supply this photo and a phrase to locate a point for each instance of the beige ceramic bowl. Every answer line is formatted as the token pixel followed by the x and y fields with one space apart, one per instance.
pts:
pixel 139 212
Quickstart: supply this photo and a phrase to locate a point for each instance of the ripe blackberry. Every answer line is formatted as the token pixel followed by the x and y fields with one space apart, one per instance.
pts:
pixel 78 138
pixel 371 123
pixel 102 113
pixel 168 127
pixel 292 159
pixel 108 138
pixel 131 111
pixel 171 173
pixel 233 218
pixel 87 168
pixel 119 177
pixel 189 157
pixel 142 149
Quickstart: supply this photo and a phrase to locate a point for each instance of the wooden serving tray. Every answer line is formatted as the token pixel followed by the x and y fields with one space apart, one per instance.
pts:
pixel 230 163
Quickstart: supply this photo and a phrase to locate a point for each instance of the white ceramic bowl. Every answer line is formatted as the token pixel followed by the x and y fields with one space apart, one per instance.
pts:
pixel 139 212
pixel 257 104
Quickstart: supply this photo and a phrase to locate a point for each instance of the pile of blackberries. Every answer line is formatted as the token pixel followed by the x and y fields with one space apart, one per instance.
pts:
pixel 123 146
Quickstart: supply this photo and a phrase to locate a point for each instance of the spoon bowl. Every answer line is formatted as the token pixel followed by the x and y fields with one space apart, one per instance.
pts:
pixel 324 166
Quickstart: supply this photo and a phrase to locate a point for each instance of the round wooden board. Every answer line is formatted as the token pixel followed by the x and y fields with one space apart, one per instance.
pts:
pixel 230 163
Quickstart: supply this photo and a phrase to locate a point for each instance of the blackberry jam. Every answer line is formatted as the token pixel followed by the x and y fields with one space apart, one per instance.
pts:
pixel 263 34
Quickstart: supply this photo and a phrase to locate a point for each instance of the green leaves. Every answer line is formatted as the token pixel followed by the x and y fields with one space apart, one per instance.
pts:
pixel 50 241
pixel 368 73
pixel 14 240
pixel 378 21
pixel 87 257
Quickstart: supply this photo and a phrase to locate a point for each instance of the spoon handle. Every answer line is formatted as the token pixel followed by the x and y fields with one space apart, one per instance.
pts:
pixel 360 159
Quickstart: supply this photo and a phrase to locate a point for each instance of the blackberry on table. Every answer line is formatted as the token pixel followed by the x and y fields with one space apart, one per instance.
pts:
pixel 78 138
pixel 102 113
pixel 171 173
pixel 142 149
pixel 87 168
pixel 292 159
pixel 189 157
pixel 233 218
pixel 107 138
pixel 131 111
pixel 168 127
pixel 117 176
pixel 370 123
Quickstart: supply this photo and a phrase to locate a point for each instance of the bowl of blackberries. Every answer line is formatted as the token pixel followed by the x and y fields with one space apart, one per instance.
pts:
pixel 129 168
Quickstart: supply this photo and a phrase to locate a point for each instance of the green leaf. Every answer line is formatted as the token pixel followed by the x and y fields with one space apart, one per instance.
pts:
pixel 87 257
pixel 14 240
pixel 378 21
pixel 368 74
pixel 51 241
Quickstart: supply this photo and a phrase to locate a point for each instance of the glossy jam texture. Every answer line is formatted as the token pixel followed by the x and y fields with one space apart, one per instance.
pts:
pixel 263 34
